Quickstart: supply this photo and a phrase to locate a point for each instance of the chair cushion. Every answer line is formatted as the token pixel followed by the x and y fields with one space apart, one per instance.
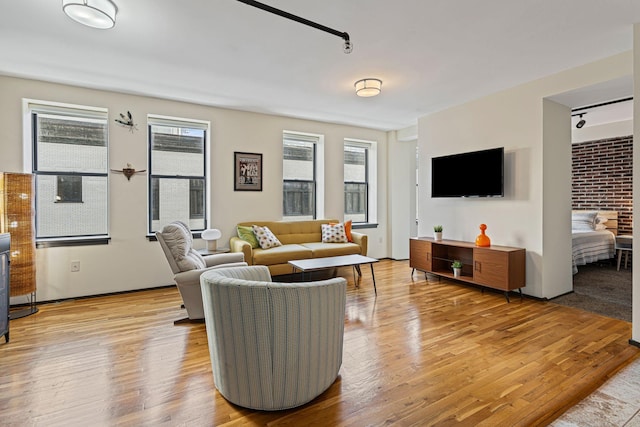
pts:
pixel 177 237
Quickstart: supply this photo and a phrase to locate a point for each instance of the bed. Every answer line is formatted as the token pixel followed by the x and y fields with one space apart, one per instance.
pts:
pixel 593 236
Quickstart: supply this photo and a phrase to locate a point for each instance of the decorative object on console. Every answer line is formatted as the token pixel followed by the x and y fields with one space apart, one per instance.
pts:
pixel 99 14
pixel 211 235
pixel 457 268
pixel 483 240
pixel 128 171
pixel 437 233
pixel 17 217
pixel 127 121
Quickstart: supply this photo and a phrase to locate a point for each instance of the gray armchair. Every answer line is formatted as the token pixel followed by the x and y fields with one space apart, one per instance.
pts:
pixel 272 345
pixel 187 265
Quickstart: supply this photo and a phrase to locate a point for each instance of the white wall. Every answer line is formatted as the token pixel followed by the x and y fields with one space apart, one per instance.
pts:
pixel 130 261
pixel 513 119
pixel 402 179
pixel 635 318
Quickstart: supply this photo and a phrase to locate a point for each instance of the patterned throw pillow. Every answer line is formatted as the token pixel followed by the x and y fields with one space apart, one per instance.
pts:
pixel 333 233
pixel 246 234
pixel 265 237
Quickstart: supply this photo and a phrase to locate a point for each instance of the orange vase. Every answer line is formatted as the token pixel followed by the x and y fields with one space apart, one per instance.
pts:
pixel 483 240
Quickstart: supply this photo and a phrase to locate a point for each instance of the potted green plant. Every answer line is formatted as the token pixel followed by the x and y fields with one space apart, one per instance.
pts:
pixel 457 268
pixel 437 233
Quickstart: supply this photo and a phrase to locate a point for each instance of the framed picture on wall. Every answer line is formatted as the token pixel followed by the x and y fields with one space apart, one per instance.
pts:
pixel 247 172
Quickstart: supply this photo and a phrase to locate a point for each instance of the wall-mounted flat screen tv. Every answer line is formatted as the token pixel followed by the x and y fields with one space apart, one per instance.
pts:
pixel 471 174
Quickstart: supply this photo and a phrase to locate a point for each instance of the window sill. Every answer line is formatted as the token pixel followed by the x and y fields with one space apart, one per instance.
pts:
pixel 195 235
pixel 54 243
pixel 356 226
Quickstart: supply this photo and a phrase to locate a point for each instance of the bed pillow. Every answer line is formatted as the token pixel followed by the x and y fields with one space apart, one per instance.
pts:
pixel 246 233
pixel 265 237
pixel 333 233
pixel 583 221
pixel 601 219
pixel 600 227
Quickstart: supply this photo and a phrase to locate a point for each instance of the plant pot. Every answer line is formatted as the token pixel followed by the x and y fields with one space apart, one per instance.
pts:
pixel 457 272
pixel 437 236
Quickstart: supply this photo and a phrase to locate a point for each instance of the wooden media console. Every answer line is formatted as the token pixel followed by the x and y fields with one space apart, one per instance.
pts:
pixel 497 267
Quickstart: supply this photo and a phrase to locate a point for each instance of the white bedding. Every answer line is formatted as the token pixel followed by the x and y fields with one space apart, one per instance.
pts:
pixel 592 246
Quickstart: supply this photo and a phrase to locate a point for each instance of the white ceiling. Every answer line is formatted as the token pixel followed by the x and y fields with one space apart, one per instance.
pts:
pixel 430 54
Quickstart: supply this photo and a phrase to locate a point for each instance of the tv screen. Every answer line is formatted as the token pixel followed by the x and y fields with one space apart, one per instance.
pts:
pixel 472 174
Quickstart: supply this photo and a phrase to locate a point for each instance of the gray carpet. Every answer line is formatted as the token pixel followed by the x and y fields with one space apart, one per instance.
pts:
pixel 600 288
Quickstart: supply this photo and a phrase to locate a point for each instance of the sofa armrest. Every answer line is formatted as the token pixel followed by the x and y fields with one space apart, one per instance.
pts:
pixel 361 240
pixel 236 244
pixel 228 258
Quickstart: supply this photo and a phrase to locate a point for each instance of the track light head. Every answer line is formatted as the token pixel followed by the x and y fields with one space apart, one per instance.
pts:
pixel 581 122
pixel 348 46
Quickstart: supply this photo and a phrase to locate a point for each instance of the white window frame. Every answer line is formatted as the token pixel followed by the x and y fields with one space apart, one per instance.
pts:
pixel 35 106
pixel 372 177
pixel 319 159
pixel 161 120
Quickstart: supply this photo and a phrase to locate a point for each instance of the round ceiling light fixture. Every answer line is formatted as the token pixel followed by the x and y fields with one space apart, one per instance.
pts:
pixel 368 87
pixel 92 13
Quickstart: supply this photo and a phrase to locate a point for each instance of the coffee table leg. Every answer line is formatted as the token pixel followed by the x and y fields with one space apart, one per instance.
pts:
pixel 353 270
pixel 358 270
pixel 375 290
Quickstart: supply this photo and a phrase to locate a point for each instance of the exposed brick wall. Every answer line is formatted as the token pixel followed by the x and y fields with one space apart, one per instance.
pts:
pixel 602 178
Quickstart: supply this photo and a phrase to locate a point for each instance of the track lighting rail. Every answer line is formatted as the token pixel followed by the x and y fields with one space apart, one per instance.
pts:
pixel 343 35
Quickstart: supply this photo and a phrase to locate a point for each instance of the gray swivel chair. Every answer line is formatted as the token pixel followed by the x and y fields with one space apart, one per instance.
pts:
pixel 187 265
pixel 272 345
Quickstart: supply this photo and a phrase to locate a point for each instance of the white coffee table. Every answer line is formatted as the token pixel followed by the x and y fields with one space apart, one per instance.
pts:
pixel 354 261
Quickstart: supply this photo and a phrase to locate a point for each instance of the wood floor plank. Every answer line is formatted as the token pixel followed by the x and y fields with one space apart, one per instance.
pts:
pixel 423 352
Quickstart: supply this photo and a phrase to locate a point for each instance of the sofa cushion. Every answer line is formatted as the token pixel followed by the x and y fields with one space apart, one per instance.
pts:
pixel 333 233
pixel 280 254
pixel 321 250
pixel 265 237
pixel 246 233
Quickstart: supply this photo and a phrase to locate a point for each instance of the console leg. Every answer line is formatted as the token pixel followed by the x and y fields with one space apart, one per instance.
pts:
pixel 506 295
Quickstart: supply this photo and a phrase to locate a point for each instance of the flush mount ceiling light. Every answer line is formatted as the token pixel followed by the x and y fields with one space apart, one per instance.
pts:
pixel 348 46
pixel 368 87
pixel 92 13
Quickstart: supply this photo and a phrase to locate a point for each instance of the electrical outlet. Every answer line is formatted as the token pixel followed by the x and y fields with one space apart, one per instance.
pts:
pixel 75 266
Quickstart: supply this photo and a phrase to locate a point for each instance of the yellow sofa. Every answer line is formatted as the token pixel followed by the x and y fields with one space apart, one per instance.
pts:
pixel 300 240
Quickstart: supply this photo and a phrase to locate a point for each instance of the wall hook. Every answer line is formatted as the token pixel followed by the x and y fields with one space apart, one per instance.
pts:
pixel 128 171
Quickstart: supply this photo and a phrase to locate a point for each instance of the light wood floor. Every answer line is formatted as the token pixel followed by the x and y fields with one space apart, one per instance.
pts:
pixel 421 353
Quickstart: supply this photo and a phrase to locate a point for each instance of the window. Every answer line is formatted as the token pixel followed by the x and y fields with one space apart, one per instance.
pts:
pixel 358 194
pixel 177 173
pixel 299 170
pixel 69 153
pixel 69 189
